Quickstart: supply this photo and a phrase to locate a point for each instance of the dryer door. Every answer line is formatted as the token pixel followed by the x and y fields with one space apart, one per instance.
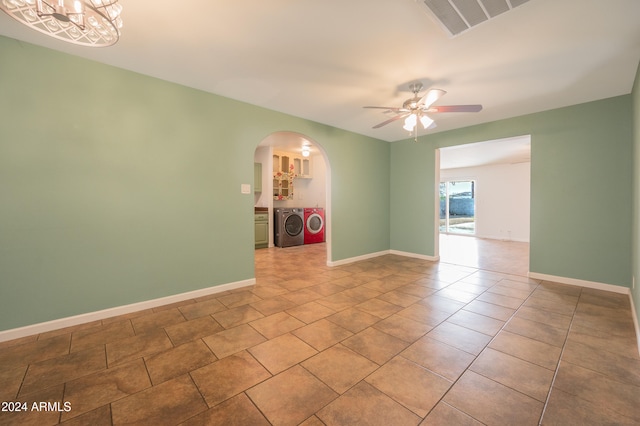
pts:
pixel 293 225
pixel 314 223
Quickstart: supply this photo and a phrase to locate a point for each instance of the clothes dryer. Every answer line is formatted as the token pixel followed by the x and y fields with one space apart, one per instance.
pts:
pixel 288 227
pixel 313 225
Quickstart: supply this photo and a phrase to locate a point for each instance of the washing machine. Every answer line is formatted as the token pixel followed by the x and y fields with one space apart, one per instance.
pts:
pixel 288 227
pixel 313 225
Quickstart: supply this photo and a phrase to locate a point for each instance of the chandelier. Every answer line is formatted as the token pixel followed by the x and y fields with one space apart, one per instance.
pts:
pixel 87 22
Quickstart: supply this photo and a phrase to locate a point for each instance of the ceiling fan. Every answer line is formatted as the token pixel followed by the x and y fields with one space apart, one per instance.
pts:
pixel 416 109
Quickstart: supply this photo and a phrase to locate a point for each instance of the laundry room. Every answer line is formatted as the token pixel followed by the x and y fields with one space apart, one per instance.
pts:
pixel 290 191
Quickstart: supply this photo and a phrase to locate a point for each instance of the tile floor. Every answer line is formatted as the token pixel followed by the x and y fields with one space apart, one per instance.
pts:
pixel 385 341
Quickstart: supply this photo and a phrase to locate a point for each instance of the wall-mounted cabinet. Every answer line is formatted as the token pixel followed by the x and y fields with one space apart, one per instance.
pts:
pixel 257 177
pixel 290 163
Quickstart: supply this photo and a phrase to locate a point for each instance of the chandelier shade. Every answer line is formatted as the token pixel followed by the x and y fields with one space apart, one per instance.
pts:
pixel 94 23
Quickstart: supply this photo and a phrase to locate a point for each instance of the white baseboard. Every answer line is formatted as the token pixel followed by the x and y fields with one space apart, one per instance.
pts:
pixel 357 258
pixel 634 312
pixel 580 283
pixel 43 327
pixel 415 255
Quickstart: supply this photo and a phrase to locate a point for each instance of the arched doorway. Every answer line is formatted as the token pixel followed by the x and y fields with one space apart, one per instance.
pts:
pixel 310 188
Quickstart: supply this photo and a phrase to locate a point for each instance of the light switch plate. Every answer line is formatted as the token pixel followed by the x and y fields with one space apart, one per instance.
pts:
pixel 245 188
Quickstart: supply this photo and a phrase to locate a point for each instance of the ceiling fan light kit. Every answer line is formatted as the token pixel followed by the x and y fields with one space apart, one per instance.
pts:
pixel 94 23
pixel 416 108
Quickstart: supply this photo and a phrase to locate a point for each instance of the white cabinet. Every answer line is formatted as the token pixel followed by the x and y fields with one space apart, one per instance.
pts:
pixel 286 167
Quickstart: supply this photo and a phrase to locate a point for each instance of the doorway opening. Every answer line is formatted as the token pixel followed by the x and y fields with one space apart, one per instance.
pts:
pixel 295 176
pixel 483 204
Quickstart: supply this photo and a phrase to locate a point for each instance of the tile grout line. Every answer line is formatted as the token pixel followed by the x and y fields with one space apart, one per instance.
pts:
pixel 555 373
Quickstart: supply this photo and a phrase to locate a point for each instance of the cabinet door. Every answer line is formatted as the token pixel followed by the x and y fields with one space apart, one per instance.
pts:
pixel 257 177
pixel 262 234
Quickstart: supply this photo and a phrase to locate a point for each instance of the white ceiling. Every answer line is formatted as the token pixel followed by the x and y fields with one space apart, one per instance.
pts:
pixel 325 60
pixel 502 151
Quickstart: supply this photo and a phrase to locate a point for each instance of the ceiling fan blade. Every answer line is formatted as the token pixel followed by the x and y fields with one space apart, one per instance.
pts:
pixel 430 97
pixel 391 120
pixel 381 107
pixel 456 108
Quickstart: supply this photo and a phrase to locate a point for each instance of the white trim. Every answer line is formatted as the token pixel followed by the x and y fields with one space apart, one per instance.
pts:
pixel 56 324
pixel 634 314
pixel 358 258
pixel 580 283
pixel 415 255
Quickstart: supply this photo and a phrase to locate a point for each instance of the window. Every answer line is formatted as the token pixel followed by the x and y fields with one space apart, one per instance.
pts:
pixel 457 207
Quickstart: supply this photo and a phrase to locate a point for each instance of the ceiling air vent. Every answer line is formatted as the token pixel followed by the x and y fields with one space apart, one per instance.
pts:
pixel 458 16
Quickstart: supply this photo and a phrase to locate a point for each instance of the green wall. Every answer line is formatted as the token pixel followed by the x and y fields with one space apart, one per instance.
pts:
pixel 117 188
pixel 581 179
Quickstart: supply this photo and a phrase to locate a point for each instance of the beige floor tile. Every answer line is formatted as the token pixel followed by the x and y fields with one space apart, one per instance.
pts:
pixel 444 415
pixel 490 310
pixel 85 339
pixel 303 296
pixel 161 319
pixel 492 403
pixel 310 312
pixel 193 329
pixel 276 324
pixel 322 334
pixel 459 337
pixel 228 342
pixel 403 328
pixel 125 350
pixel 612 365
pixel 59 370
pixel 99 417
pixel 91 392
pixel 34 351
pixel 201 309
pixel 603 340
pixel 537 331
pixel 424 314
pixel 240 298
pixel 291 397
pixel 378 307
pixel 170 402
pixel 599 390
pixel 340 367
pixel 364 404
pixel 35 417
pixel 500 299
pixel 272 305
pixel 566 409
pixel 237 411
pixel 282 352
pixel 379 347
pixel 236 316
pixel 338 301
pixel 353 319
pixel 477 322
pixel 515 373
pixel 506 290
pixel 413 386
pixel 438 357
pixel 534 351
pixel 444 304
pixel 553 319
pixel 178 361
pixel 563 304
pixel 228 377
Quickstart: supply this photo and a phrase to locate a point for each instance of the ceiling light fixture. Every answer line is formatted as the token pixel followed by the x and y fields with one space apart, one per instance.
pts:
pixel 93 23
pixel 306 150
